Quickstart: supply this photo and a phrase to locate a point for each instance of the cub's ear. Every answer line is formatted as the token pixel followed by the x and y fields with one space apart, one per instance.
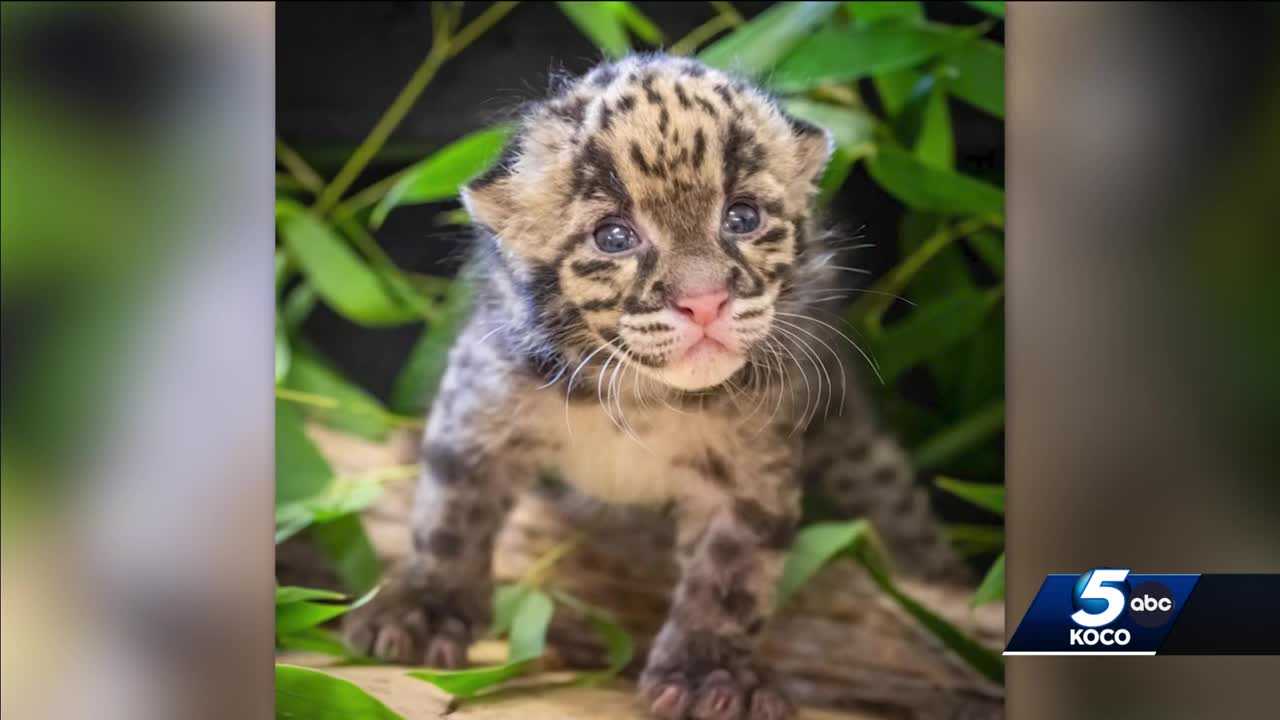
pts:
pixel 814 147
pixel 490 197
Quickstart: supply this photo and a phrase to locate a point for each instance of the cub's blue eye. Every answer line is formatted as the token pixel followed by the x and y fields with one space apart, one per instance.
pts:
pixel 740 219
pixel 615 238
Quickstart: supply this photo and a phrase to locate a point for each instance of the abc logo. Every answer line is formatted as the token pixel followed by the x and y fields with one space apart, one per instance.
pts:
pixel 1101 596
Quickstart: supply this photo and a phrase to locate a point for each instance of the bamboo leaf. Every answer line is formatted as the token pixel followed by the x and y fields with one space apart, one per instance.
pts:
pixel 961 437
pixel 415 386
pixel 338 274
pixel 527 643
pixel 355 410
pixel 814 547
pixel 993 8
pixel 932 329
pixel 873 12
pixel 441 174
pixel 987 496
pixel 306 694
pixel 975 74
pixel 840 54
pixel 301 471
pixel 922 187
pixel 992 587
pixel 601 22
pixel 757 46
pixel 345 544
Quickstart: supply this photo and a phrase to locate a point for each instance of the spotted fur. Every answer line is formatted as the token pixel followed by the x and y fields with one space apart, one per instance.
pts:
pixel 572 364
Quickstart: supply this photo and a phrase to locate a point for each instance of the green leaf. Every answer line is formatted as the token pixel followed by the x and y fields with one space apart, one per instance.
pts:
pixel 873 12
pixel 301 471
pixel 297 305
pixel 839 54
pixel 337 273
pixel 989 245
pixel 506 601
pixel 470 682
pixel 921 187
pixel 639 25
pixel 355 411
pixel 319 640
pixel 526 644
pixel 895 89
pixel 416 384
pixel 850 128
pixel 345 544
pixel 813 548
pixel 818 544
pixel 297 616
pixel 283 356
pixel 342 496
pixel 932 140
pixel 305 694
pixel 601 22
pixel 757 46
pixel 441 174
pixel 960 437
pixel 292 594
pixel 975 74
pixel 987 496
pixel 529 627
pixel 981 372
pixel 619 647
pixel 931 329
pixel 979 657
pixel 971 540
pixel 992 587
pixel 995 9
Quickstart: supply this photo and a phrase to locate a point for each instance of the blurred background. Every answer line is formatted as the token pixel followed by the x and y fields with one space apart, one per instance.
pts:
pixel 139 159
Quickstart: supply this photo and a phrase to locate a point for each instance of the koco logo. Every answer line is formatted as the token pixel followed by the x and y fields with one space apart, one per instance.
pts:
pixel 1101 596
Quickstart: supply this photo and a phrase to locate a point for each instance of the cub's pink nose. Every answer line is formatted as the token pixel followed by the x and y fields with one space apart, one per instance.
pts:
pixel 703 308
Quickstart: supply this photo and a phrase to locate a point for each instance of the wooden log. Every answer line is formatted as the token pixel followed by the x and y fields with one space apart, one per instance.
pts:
pixel 840 643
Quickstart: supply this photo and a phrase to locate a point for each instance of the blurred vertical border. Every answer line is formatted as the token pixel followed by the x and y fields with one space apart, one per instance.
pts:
pixel 137 353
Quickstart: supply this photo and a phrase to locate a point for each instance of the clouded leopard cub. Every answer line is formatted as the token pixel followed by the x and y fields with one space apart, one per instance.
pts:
pixel 649 325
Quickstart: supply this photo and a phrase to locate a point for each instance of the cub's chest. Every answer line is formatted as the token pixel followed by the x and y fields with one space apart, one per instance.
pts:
pixel 630 457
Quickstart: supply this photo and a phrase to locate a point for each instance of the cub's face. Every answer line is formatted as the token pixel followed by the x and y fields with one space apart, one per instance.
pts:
pixel 654 211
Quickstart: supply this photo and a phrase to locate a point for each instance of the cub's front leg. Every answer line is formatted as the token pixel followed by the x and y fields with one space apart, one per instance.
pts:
pixel 434 603
pixel 734 529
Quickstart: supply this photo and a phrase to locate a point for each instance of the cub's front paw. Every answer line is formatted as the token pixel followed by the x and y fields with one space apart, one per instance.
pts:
pixel 414 626
pixel 700 690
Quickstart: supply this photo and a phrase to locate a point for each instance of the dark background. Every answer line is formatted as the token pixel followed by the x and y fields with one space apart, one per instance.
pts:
pixel 339 65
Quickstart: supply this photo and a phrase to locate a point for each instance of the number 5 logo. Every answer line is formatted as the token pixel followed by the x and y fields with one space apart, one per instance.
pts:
pixel 1094 591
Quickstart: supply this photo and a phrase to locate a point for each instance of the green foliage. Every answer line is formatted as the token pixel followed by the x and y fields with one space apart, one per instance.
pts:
pixel 608 24
pixel 819 544
pixel 440 176
pixel 813 55
pixel 306 694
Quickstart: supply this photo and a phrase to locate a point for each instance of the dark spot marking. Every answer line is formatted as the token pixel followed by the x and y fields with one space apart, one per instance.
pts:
pixel 885 475
pixel 625 103
pixel 637 157
pixel 723 91
pixel 447 466
pixel 682 98
pixel 773 237
pixel 699 148
pixel 774 531
pixel 724 549
pixel 608 303
pixel 706 106
pixel 444 543
pixel 583 268
pixel 603 77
